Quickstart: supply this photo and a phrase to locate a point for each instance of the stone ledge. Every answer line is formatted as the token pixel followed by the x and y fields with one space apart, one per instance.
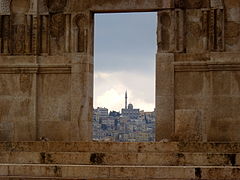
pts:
pixel 123 158
pixel 121 172
pixel 158 147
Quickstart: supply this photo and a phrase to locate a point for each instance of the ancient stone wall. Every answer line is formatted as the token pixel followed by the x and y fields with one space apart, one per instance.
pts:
pixel 46 68
pixel 198 63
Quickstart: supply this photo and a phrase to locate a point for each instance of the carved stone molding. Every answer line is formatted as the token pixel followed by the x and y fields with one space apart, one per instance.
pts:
pixel 197 4
pixel 194 3
pixel 20 6
pixel 33 7
pixel 81 33
pixel 57 33
pixel 216 4
pixel 33 69
pixel 5 7
pixel 57 25
pixel 43 7
pixel 18 69
pixel 179 3
pixel 165 30
pixel 20 27
pixel 54 69
pixel 171 33
pixel 206 66
pixel 56 6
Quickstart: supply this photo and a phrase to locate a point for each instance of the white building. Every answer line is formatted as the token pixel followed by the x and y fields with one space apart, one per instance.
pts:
pixel 129 111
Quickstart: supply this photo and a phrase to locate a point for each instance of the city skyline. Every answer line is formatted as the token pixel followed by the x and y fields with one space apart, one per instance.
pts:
pixel 125 106
pixel 125 48
pixel 129 125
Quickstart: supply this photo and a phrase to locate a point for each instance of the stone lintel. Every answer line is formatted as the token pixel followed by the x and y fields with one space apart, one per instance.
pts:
pixel 120 5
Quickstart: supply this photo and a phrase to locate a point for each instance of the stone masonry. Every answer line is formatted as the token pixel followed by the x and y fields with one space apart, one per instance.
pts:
pixel 46 68
pixel 46 92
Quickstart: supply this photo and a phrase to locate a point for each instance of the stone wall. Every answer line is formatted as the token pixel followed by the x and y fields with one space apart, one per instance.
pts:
pixel 198 61
pixel 46 68
pixel 46 71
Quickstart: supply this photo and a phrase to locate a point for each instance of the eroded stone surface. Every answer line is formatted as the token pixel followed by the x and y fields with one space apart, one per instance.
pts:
pixel 108 160
pixel 46 68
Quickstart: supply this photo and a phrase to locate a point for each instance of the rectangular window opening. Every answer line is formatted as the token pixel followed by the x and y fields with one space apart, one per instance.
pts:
pixel 124 77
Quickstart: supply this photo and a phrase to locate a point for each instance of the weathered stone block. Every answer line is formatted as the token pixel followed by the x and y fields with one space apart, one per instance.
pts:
pixel 165 114
pixel 221 83
pixel 189 83
pixel 188 125
pixel 54 97
pixel 55 130
pixel 225 129
pixel 235 84
pixel 189 102
pixel 24 130
pixel 222 107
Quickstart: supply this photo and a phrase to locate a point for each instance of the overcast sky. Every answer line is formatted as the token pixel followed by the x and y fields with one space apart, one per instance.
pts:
pixel 125 48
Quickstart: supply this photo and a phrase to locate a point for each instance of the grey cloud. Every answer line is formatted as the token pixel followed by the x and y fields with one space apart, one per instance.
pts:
pixel 125 48
pixel 125 41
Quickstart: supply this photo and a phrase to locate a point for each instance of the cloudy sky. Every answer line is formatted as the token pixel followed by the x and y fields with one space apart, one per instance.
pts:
pixel 125 48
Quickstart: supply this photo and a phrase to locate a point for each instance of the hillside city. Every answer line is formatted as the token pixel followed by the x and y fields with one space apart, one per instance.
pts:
pixel 131 125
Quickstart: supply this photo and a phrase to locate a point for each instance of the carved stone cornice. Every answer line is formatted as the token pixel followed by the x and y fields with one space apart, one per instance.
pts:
pixel 206 66
pixel 35 69
pixel 54 69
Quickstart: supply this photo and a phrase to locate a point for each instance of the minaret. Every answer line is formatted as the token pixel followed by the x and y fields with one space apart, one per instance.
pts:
pixel 126 100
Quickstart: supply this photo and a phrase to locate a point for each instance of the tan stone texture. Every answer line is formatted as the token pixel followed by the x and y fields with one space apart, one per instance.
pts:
pixel 46 68
pixel 188 124
pixel 109 161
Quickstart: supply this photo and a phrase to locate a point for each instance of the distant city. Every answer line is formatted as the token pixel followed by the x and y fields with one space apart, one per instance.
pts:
pixel 129 125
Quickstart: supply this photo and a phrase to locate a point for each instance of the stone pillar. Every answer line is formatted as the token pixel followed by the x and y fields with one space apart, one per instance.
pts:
pixel 164 96
pixel 170 40
pixel 82 77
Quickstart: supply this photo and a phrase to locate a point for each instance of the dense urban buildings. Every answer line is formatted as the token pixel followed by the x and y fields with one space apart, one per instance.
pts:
pixel 46 90
pixel 131 125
